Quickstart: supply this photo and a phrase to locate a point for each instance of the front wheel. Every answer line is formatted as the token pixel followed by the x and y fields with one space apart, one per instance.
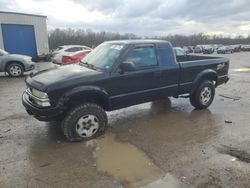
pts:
pixel 15 70
pixel 84 122
pixel 203 95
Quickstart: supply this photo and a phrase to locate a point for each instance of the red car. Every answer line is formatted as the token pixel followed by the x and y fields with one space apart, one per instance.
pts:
pixel 69 54
pixel 74 58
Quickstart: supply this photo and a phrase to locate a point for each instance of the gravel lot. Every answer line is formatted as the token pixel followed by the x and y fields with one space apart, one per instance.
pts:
pixel 159 144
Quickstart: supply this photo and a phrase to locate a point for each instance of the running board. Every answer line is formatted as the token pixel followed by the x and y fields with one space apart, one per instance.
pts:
pixel 182 96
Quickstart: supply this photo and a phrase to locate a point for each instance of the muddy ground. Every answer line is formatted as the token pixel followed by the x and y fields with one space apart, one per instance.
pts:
pixel 159 144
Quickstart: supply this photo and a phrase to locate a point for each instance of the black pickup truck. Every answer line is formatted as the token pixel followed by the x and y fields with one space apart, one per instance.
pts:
pixel 119 74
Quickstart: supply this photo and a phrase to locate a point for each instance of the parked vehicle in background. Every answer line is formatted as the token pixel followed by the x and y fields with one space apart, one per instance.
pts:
pixel 15 65
pixel 237 48
pixel 225 50
pixel 198 49
pixel 188 49
pixel 179 51
pixel 42 57
pixel 245 48
pixel 69 54
pixel 208 50
pixel 115 75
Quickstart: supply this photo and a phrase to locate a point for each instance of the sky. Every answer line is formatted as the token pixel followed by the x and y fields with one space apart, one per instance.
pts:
pixel 142 17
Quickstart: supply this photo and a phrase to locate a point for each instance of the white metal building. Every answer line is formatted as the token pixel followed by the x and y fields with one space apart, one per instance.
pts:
pixel 23 33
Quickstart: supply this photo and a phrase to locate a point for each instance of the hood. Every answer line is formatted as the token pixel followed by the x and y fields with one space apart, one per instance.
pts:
pixel 61 76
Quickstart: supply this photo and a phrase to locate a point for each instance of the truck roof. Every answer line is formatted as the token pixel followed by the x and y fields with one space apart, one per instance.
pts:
pixel 138 41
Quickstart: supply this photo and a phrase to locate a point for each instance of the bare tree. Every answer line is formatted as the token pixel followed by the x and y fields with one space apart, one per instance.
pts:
pixel 58 37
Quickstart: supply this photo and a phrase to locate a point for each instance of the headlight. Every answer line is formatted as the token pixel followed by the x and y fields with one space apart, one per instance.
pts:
pixel 43 104
pixel 39 94
pixel 27 59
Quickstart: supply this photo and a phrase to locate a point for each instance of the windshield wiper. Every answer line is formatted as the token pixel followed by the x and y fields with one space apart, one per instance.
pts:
pixel 88 65
pixel 84 63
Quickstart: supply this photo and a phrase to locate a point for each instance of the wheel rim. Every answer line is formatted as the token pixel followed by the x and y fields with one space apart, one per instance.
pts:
pixel 87 126
pixel 15 70
pixel 205 96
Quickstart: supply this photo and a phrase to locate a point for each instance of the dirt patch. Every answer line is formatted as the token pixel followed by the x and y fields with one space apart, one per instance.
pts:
pixel 210 182
pixel 235 152
pixel 15 116
pixel 126 163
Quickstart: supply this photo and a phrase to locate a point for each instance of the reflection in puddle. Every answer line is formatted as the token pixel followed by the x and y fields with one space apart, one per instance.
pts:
pixel 241 70
pixel 126 163
pixel 160 106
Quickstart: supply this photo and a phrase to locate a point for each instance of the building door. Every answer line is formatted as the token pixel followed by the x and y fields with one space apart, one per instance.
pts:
pixel 19 39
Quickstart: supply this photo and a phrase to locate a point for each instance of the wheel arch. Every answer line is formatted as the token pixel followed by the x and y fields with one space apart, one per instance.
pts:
pixel 11 62
pixel 84 94
pixel 209 74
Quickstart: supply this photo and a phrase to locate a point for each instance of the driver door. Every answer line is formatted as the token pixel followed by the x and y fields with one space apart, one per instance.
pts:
pixel 141 84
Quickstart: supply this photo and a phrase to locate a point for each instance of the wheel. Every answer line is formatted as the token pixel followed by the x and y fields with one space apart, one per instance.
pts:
pixel 84 122
pixel 15 70
pixel 203 95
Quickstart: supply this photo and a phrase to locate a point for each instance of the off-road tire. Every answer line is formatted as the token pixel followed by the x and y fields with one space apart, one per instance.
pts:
pixel 69 123
pixel 195 97
pixel 13 65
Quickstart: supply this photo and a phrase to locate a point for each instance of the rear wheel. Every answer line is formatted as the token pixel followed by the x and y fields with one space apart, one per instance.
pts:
pixel 203 95
pixel 84 122
pixel 15 70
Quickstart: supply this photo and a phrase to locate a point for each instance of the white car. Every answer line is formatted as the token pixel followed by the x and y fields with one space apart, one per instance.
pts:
pixel 69 54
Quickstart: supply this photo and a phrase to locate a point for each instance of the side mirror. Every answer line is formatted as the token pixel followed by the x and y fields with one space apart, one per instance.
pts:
pixel 127 66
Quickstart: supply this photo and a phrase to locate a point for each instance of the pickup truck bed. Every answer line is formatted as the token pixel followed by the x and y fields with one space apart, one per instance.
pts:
pixel 119 74
pixel 192 68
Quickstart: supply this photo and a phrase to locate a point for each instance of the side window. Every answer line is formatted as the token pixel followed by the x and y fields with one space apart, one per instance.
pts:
pixel 85 48
pixel 143 57
pixel 80 49
pixel 73 49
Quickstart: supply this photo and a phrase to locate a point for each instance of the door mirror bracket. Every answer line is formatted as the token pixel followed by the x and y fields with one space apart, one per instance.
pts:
pixel 127 66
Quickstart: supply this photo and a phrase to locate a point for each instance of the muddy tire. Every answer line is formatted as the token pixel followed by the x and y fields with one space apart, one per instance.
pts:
pixel 84 122
pixel 203 95
pixel 15 70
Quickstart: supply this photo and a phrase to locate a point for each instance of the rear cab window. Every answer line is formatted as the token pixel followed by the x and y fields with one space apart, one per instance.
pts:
pixel 166 55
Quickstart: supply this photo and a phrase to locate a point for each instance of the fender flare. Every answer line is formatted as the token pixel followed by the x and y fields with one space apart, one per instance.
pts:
pixel 81 90
pixel 208 74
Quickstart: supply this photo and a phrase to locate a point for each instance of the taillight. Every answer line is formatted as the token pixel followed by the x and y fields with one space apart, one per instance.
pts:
pixel 226 65
pixel 67 60
pixel 73 59
pixel 223 66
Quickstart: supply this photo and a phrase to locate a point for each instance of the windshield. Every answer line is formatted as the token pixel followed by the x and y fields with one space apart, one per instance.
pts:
pixel 2 52
pixel 103 56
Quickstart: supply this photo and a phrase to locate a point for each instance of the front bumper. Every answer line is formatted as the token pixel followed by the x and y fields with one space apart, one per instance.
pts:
pixel 42 114
pixel 29 66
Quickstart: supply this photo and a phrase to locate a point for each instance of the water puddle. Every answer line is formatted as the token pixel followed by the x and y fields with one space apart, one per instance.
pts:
pixel 168 181
pixel 241 70
pixel 126 163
